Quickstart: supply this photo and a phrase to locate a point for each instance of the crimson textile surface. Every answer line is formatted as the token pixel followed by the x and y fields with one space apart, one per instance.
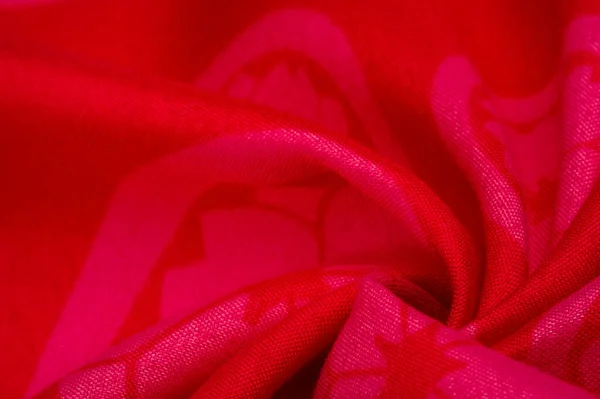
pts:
pixel 299 198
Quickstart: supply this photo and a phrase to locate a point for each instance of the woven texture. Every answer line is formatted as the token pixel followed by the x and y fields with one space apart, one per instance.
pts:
pixel 296 199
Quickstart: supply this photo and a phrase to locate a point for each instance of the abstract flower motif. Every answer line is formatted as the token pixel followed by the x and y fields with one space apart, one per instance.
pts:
pixel 495 139
pixel 167 237
pixel 292 293
pixel 226 214
pixel 315 77
pixel 491 144
pixel 561 342
pixel 403 378
pixel 509 147
pixel 505 133
pixel 132 364
pixel 284 81
pixel 493 132
pixel 313 74
pixel 189 348
pixel 414 365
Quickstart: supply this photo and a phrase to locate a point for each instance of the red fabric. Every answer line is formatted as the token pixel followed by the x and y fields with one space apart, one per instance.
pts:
pixel 291 199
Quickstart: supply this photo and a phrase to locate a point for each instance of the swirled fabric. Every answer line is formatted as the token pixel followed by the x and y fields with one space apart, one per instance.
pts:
pixel 299 199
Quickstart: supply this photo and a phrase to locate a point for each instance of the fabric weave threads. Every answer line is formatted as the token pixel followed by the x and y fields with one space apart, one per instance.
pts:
pixel 382 199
